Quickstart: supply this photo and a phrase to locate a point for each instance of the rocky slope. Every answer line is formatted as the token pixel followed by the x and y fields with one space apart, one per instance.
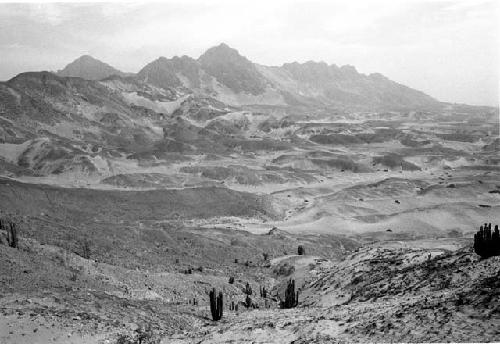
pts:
pixel 222 72
pixel 392 292
pixel 89 68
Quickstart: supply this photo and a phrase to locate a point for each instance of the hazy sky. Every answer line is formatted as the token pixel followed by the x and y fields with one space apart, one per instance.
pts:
pixel 448 49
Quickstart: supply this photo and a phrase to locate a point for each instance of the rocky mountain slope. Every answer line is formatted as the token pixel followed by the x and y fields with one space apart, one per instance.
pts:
pixel 222 72
pixel 87 67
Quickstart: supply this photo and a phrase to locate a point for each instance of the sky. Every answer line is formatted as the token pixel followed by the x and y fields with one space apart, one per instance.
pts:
pixel 447 48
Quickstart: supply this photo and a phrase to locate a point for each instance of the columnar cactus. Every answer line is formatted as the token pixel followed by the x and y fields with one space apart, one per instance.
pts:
pixel 291 297
pixel 216 305
pixel 263 292
pixel 248 301
pixel 486 242
pixel 12 234
pixel 248 289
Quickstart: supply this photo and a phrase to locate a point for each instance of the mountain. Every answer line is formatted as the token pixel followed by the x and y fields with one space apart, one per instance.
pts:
pixel 167 73
pixel 222 72
pixel 89 68
pixel 59 123
pixel 233 70
pixel 344 86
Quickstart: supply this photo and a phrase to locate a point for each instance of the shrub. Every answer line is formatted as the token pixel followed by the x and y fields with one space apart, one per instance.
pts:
pixel 284 269
pixel 143 335
pixel 301 251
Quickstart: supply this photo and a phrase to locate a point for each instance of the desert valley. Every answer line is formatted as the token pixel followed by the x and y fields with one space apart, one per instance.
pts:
pixel 135 194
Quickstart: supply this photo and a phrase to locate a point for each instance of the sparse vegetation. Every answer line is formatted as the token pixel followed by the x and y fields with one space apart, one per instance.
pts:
pixel 284 269
pixel 142 335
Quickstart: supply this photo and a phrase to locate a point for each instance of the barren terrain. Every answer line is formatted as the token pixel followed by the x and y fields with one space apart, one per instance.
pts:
pixel 136 195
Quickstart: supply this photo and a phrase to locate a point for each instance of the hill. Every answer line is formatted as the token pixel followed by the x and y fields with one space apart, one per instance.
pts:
pixel 89 68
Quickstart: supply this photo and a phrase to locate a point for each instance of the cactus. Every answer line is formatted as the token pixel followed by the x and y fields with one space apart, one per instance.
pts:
pixel 291 297
pixel 12 235
pixel 263 292
pixel 301 251
pixel 248 289
pixel 486 242
pixel 216 304
pixel 85 244
pixel 248 301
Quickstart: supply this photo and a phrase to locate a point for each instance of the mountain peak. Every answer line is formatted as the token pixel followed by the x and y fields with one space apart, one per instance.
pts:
pixel 232 69
pixel 90 68
pixel 222 50
pixel 87 58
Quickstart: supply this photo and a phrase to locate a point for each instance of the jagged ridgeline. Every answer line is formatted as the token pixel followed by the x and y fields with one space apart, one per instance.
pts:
pixel 222 71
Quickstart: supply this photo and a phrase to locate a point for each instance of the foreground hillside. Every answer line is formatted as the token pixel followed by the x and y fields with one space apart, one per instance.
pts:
pixel 394 291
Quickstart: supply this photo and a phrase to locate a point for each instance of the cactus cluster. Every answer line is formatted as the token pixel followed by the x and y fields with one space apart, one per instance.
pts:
pixel 291 297
pixel 487 242
pixel 11 229
pixel 233 306
pixel 216 304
